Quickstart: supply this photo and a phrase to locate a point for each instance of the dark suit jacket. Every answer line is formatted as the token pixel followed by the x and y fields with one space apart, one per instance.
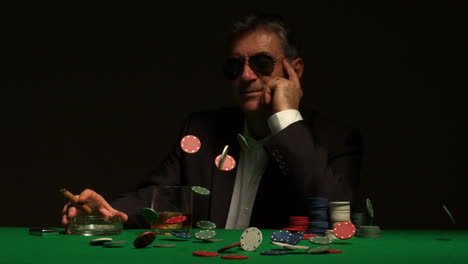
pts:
pixel 310 157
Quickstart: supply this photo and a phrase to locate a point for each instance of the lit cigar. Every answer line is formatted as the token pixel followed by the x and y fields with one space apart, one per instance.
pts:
pixel 71 198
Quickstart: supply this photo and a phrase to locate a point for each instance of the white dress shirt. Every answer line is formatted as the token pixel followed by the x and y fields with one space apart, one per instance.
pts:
pixel 250 169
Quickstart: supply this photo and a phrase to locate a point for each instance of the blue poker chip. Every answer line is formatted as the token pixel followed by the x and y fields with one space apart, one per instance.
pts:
pixel 181 235
pixel 295 238
pixel 273 252
pixel 280 236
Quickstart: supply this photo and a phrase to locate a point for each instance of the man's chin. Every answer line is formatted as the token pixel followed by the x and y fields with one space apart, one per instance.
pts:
pixel 249 106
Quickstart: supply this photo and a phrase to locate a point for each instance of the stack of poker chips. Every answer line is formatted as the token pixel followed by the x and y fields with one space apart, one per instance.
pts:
pixel 318 215
pixel 298 223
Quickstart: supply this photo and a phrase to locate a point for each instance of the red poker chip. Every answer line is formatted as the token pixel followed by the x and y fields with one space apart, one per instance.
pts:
pixel 229 163
pixel 144 239
pixel 335 251
pixel 344 230
pixel 234 257
pixel 190 144
pixel 230 246
pixel 205 253
pixel 294 229
pixel 307 236
pixel 176 219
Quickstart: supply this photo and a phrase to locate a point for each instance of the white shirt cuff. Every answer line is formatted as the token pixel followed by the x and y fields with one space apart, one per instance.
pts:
pixel 281 120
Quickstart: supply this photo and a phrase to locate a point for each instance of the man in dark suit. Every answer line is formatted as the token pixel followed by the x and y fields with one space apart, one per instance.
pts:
pixel 292 153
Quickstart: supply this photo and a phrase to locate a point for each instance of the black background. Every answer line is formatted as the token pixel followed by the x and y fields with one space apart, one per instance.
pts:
pixel 93 95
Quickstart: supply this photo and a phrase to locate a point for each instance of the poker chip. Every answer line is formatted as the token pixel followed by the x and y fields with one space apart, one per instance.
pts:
pixel 205 234
pixel 288 246
pixel 229 163
pixel 164 245
pixel 369 232
pixel 210 240
pixel 280 236
pixel 450 215
pixel 99 241
pixel 273 252
pixel 318 250
pixel 308 236
pixel 144 239
pixel 110 243
pixel 181 235
pixel 279 244
pixel 295 238
pixel 234 257
pixel 334 250
pixel 251 239
pixel 243 143
pixel 223 157
pixel 176 219
pixel 321 240
pixel 344 230
pixel 200 190
pixel 190 144
pixel 230 246
pixel 203 224
pixel 205 253
pixel 150 215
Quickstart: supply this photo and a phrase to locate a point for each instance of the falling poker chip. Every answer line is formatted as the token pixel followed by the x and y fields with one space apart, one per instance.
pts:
pixel 176 219
pixel 318 250
pixel 243 143
pixel 229 247
pixel 321 240
pixel 205 234
pixel 181 235
pixel 229 163
pixel 190 144
pixel 144 239
pixel 223 157
pixel 150 215
pixel 200 190
pixel 344 230
pixel 203 224
pixel 251 239
pixel 449 214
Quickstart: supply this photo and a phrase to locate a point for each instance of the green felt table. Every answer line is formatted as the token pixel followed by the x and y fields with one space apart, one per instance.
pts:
pixel 395 246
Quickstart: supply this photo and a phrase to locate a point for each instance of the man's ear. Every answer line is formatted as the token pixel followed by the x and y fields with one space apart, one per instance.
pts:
pixel 298 66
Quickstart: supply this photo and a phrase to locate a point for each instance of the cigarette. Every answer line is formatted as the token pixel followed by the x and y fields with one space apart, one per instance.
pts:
pixel 72 199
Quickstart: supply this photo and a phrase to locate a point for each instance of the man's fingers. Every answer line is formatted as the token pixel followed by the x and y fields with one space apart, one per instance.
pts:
pixel 291 72
pixel 88 195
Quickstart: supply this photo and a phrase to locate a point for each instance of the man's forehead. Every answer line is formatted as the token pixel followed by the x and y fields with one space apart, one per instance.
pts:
pixel 259 41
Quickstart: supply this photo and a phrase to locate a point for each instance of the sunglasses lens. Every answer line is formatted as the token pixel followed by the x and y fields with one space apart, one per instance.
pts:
pixel 232 68
pixel 262 64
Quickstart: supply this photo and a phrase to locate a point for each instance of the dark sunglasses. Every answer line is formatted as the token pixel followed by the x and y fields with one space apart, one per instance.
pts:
pixel 261 64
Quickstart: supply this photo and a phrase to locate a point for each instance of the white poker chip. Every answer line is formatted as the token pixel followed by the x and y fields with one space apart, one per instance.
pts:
pixel 190 144
pixel 229 163
pixel 251 239
pixel 100 241
pixel 287 246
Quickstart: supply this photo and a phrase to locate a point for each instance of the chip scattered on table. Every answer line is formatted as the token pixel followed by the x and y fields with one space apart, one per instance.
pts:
pixel 318 250
pixel 344 230
pixel 229 247
pixel 99 241
pixel 164 245
pixel 234 257
pixel 181 235
pixel 273 252
pixel 321 240
pixel 205 253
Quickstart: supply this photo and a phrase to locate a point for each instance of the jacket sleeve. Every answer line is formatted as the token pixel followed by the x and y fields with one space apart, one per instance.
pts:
pixel 323 164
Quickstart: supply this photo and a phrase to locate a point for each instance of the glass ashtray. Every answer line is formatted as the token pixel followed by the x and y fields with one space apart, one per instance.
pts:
pixel 93 225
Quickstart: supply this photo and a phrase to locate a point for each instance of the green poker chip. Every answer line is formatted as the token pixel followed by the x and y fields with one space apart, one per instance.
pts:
pixel 318 250
pixel 203 224
pixel 150 215
pixel 321 240
pixel 200 190
pixel 205 234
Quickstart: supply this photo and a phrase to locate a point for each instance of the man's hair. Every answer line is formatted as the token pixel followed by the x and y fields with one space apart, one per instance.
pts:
pixel 270 22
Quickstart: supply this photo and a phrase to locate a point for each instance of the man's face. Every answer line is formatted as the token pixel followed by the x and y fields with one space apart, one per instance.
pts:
pixel 248 87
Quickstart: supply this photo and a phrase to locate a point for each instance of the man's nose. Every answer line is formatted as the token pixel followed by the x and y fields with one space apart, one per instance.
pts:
pixel 248 74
